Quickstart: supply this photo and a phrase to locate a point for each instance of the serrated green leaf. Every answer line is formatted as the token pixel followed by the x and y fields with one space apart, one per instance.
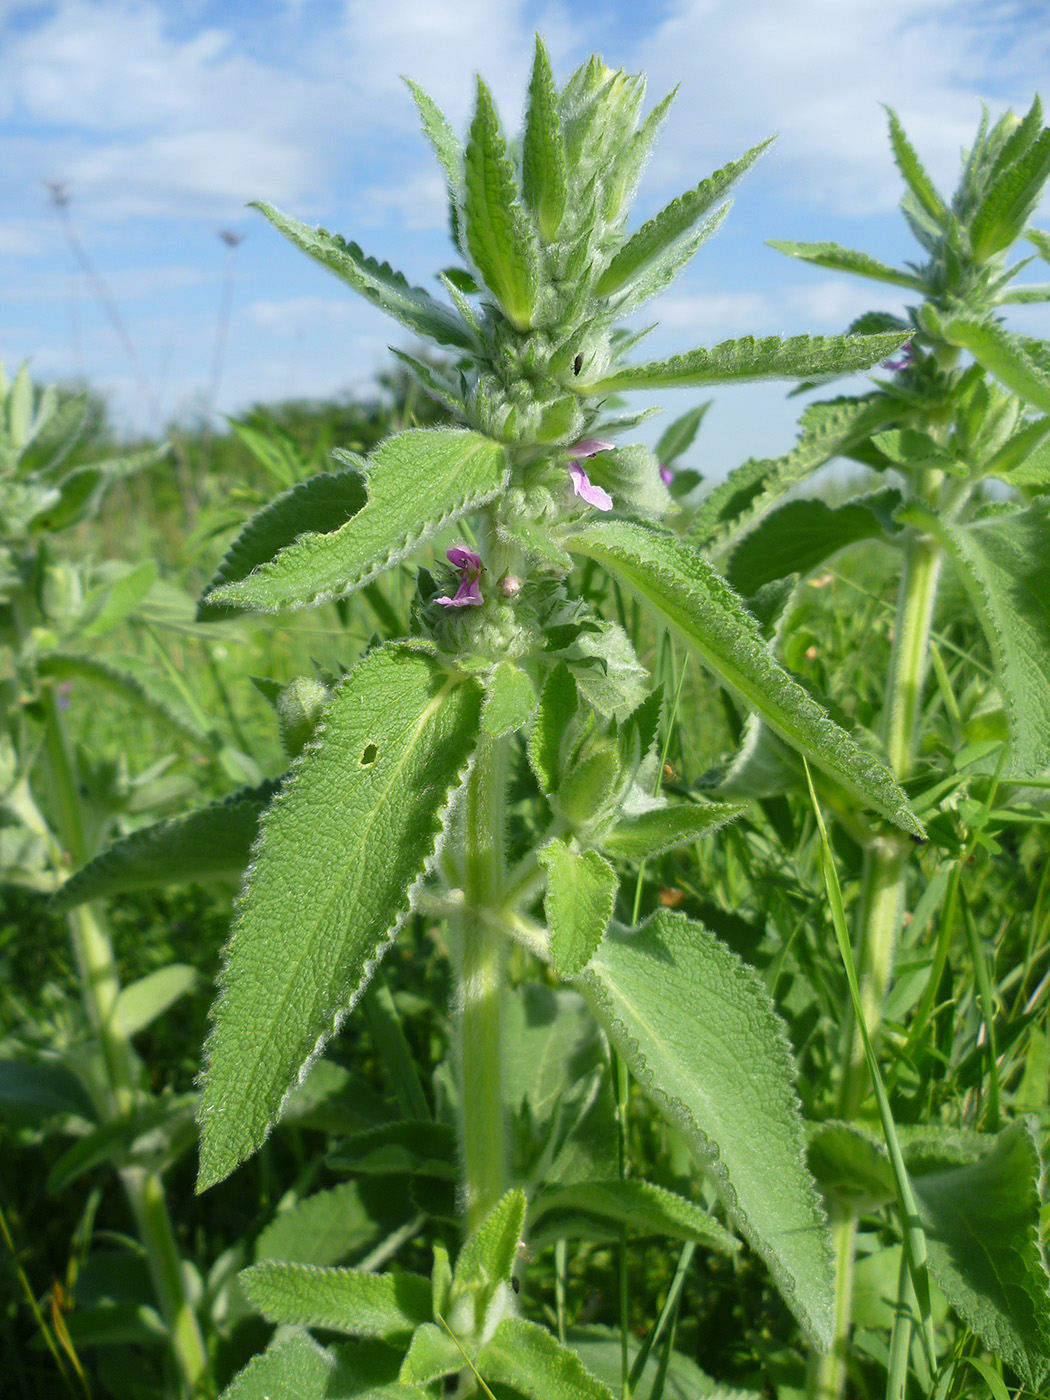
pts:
pixel 803 534
pixel 140 686
pixel 666 828
pixel 687 595
pixel 1024 459
pixel 418 482
pixel 445 145
pixel 543 169
pixel 486 1260
pixel 1010 200
pixel 646 1209
pixel 509 701
pixel 1003 354
pixel 525 1356
pixel 328 1226
pixel 1041 240
pixel 557 709
pixel 840 259
pixel 916 178
pixel 1025 295
pixel 141 1002
pixel 703 1039
pixel 982 1231
pixel 356 824
pixel 387 289
pixel 672 224
pixel 581 893
pixel 851 1167
pixel 388 1306
pixel 431 1356
pixel 296 1368
pixel 499 236
pixel 827 430
pixel 1005 563
pixel 911 448
pixel 661 270
pixel 678 436
pixel 320 505
pixel 212 843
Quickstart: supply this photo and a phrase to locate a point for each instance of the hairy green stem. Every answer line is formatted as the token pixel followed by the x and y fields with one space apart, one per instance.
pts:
pixel 481 977
pixel 881 904
pixel 100 989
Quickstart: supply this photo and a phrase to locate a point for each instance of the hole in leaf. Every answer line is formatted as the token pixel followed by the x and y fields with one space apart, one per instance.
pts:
pixel 369 755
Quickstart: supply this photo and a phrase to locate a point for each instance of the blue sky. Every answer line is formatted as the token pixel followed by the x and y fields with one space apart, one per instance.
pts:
pixel 163 117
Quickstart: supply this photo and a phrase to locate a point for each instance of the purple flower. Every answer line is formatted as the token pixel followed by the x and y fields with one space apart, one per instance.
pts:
pixel 904 357
pixel 666 474
pixel 581 482
pixel 470 570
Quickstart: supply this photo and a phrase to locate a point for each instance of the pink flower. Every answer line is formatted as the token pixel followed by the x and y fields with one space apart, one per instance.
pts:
pixel 666 474
pixel 581 482
pixel 470 570
pixel 904 357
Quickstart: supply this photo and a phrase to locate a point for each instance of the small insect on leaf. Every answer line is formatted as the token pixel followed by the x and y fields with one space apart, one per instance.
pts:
pixel 577 364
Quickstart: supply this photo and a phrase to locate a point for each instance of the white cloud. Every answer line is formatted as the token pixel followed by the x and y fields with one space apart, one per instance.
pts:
pixel 816 71
pixel 834 304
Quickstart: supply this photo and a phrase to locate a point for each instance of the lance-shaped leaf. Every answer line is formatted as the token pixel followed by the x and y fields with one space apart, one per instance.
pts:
pixel 982 1231
pixel 343 1300
pixel 355 827
pixel 666 828
pixel 802 534
pixel 543 167
pixel 387 289
pixel 738 361
pixel 700 1034
pixel 499 236
pixel 646 1209
pixel 909 165
pixel 1002 354
pixel 581 893
pixel 212 843
pixel 1010 200
pixel 418 482
pixel 672 224
pixel 1005 563
pixel 841 259
pixel 678 436
pixel 827 430
pixel 446 146
pixel 527 1358
pixel 687 595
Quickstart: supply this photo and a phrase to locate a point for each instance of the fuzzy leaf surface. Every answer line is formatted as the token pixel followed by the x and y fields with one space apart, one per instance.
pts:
pixel 212 843
pixel 356 825
pixel 672 224
pixel 499 237
pixel 982 1232
pixel 1003 354
pixel 827 429
pixel 1005 563
pixel 581 893
pixel 841 259
pixel 418 482
pixel 344 1300
pixel 666 828
pixel 688 596
pixel 485 1262
pixel 525 1356
pixel 646 1209
pixel 802 534
pixel 509 702
pixel 557 709
pixel 703 1039
pixel 543 168
pixel 295 1369
pixel 916 178
pixel 1010 200
pixel 328 1226
pixel 384 287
